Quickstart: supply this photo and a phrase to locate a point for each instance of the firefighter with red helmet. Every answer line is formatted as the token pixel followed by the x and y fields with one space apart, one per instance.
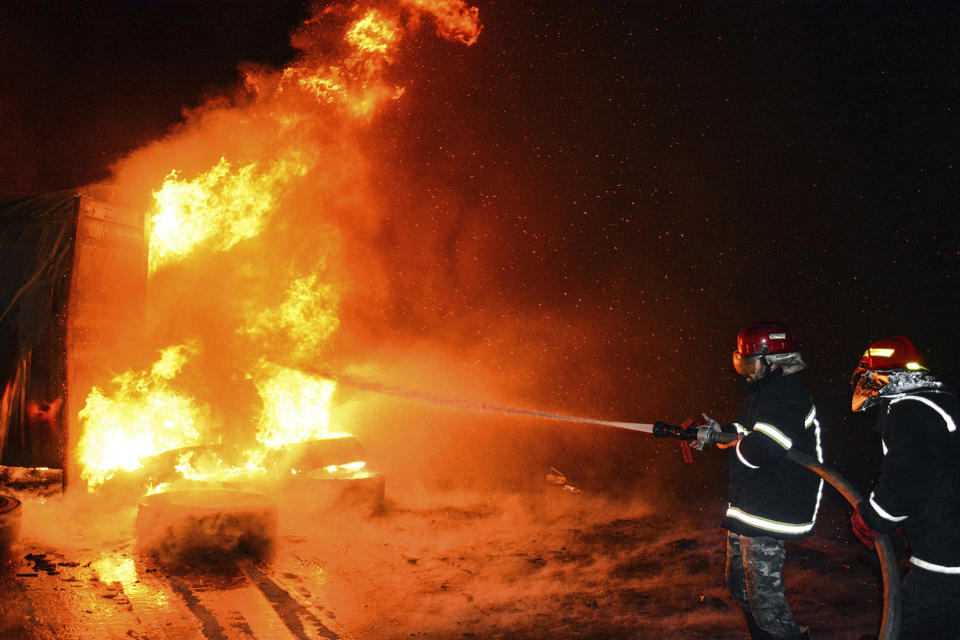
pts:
pixel 918 488
pixel 771 500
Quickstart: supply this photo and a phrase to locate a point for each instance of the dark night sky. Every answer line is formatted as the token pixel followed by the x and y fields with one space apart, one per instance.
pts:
pixel 662 172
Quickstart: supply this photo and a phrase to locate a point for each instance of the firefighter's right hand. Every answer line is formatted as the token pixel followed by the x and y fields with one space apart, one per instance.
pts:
pixel 705 437
pixel 701 442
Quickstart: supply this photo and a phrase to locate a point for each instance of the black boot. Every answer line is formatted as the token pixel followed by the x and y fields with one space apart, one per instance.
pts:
pixel 756 633
pixel 799 636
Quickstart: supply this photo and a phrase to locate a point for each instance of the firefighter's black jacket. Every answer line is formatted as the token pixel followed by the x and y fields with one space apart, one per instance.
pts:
pixel 770 495
pixel 919 483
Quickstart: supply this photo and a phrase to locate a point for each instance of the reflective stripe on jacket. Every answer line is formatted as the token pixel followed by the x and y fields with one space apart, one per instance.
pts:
pixel 769 495
pixel 919 483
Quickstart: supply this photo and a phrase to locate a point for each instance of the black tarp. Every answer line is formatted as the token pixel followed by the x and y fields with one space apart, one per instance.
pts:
pixel 36 253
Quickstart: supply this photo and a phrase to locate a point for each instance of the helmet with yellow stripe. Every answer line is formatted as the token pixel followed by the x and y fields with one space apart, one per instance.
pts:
pixel 881 359
pixel 890 354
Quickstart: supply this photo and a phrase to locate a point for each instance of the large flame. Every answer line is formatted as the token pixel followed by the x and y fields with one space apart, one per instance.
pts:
pixel 302 323
pixel 296 406
pixel 221 207
pixel 225 205
pixel 143 416
pixel 373 35
pixel 231 179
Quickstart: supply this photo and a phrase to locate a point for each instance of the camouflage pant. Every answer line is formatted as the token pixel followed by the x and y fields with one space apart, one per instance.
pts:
pixel 755 578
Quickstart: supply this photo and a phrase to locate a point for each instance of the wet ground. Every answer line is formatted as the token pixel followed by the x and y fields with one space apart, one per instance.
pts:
pixel 429 564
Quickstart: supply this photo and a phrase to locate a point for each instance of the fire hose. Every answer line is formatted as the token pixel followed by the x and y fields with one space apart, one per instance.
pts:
pixel 890 623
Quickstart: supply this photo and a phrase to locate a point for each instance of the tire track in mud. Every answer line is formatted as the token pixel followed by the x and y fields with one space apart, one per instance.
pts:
pixel 252 604
pixel 209 625
pixel 290 610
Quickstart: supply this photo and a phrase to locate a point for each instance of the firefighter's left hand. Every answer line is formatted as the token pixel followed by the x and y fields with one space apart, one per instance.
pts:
pixel 705 433
pixel 713 424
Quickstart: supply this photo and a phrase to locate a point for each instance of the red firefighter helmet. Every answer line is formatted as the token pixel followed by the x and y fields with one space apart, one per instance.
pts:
pixel 890 354
pixel 762 338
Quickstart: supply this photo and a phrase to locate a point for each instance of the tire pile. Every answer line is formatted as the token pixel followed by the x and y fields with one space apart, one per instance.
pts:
pixel 10 510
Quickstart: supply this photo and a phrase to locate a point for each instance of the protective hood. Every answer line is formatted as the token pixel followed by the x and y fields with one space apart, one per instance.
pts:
pixel 874 387
pixel 750 371
pixel 790 362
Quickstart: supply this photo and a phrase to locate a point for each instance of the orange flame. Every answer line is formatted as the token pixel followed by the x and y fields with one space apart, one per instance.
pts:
pixel 275 140
pixel 223 206
pixel 213 468
pixel 296 406
pixel 354 83
pixel 220 207
pixel 307 318
pixel 144 416
pixel 373 34
pixel 455 19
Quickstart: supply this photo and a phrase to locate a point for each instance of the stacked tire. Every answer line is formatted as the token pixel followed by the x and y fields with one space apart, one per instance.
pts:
pixel 182 527
pixel 10 510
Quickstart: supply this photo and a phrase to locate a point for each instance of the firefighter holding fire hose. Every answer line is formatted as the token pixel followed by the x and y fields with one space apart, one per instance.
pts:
pixel 771 500
pixel 919 484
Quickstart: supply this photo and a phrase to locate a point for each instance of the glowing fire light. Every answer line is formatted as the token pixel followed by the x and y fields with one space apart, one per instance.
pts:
pixel 143 416
pixel 212 468
pixel 355 83
pixel 225 206
pixel 355 470
pixel 221 207
pixel 306 317
pixel 373 33
pixel 455 19
pixel 296 406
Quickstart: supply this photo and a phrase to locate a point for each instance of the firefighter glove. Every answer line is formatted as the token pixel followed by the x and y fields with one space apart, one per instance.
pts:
pixel 705 434
pixel 705 437
pixel 867 535
pixel 716 426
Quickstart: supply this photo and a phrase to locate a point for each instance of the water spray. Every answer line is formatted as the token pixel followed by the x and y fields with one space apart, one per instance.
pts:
pixel 470 405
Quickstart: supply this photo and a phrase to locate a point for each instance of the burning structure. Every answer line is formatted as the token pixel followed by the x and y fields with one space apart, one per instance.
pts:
pixel 74 295
pixel 238 220
pixel 174 341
